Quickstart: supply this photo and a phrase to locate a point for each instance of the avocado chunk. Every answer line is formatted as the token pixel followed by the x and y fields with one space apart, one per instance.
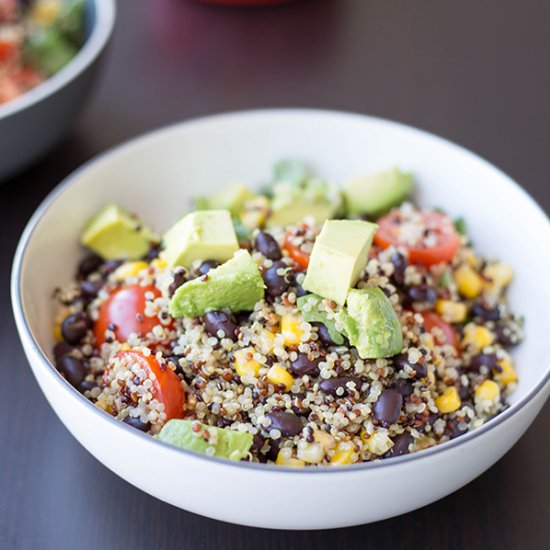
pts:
pixel 375 194
pixel 115 234
pixel 192 435
pixel 236 285
pixel 371 324
pixel 232 198
pixel 339 255
pixel 313 311
pixel 291 170
pixel 201 235
pixel 293 201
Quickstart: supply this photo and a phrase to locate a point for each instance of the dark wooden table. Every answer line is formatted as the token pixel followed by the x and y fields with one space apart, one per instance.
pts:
pixel 475 71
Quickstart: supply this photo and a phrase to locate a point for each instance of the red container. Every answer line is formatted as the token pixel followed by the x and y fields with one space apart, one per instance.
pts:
pixel 249 3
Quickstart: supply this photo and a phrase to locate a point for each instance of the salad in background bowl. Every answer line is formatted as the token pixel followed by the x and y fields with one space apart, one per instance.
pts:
pixel 49 54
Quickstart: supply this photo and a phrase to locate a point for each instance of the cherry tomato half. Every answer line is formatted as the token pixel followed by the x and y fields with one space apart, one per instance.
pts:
pixel 167 386
pixel 438 224
pixel 125 309
pixel 433 320
pixel 298 255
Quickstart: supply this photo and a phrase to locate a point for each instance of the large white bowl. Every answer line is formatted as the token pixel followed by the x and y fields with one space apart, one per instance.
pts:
pixel 156 176
pixel 34 122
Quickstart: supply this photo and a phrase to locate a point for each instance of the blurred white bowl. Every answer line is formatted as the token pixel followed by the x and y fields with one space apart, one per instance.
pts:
pixel 31 124
pixel 156 176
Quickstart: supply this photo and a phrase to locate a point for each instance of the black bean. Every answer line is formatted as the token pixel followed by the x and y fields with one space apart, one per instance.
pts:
pixel 175 360
pixel 399 265
pixel 109 266
pixel 223 422
pixel 300 291
pixel 137 423
pixel 276 283
pixel 72 368
pixel 273 451
pixel 463 392
pixel 74 327
pixel 90 288
pixel 422 293
pixel 402 360
pixel 88 265
pixel 152 254
pixel 332 385
pixel 388 407
pixel 268 246
pixel 401 444
pixel 206 266
pixel 86 385
pixel 505 336
pixel 286 422
pixel 257 442
pixel 323 333
pixel 215 321
pixel 482 310
pixel 62 348
pixel 404 387
pixel 304 365
pixel 487 359
pixel 179 279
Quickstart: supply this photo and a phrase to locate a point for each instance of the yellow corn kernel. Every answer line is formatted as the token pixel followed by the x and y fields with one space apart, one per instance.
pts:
pixel 267 341
pixel 58 320
pixel 379 443
pixel 477 336
pixel 158 263
pixel 45 12
pixel 468 281
pixel 245 364
pixel 324 438
pixel 452 312
pixel 431 377
pixel 342 454
pixel 129 269
pixel 424 442
pixel 500 275
pixel 507 374
pixel 312 453
pixel 255 212
pixel 291 330
pixel 471 259
pixel 448 401
pixel 125 347
pixel 277 375
pixel 285 458
pixel 488 391
pixel 428 340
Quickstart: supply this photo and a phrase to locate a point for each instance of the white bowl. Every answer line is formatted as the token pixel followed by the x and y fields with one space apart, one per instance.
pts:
pixel 31 124
pixel 156 176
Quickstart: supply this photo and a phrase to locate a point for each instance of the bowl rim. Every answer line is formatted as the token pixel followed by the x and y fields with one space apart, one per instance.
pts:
pixel 86 55
pixel 27 335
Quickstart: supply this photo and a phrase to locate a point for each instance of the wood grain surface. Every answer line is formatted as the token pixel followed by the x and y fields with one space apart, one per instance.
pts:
pixel 474 71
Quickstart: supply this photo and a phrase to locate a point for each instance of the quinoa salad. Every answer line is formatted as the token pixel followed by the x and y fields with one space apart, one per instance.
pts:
pixel 37 39
pixel 303 324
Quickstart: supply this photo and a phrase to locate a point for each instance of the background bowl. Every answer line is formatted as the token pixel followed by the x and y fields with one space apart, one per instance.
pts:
pixel 156 176
pixel 34 122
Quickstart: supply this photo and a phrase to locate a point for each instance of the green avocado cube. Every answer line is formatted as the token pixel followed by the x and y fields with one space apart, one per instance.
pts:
pixel 195 436
pixel 313 311
pixel 371 324
pixel 236 285
pixel 115 234
pixel 375 194
pixel 201 235
pixel 292 202
pixel 231 199
pixel 339 255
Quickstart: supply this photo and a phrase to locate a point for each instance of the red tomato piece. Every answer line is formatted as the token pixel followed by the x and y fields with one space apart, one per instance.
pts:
pixel 433 320
pixel 125 309
pixel 298 255
pixel 167 387
pixel 439 225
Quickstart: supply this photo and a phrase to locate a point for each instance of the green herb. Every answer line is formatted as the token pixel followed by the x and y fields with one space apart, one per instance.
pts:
pixel 460 225
pixel 445 279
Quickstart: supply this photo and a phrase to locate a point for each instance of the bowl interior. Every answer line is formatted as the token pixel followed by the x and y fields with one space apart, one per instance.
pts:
pixel 158 175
